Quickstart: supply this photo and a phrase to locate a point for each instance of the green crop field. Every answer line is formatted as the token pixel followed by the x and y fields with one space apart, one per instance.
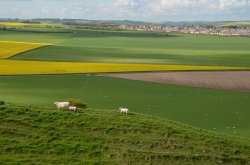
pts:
pixel 133 47
pixel 34 35
pixel 202 108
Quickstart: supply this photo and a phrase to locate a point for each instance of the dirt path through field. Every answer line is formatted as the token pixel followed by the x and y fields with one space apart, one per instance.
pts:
pixel 231 80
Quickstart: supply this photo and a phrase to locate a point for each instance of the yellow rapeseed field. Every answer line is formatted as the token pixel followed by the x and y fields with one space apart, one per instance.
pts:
pixel 9 48
pixel 17 24
pixel 12 24
pixel 10 67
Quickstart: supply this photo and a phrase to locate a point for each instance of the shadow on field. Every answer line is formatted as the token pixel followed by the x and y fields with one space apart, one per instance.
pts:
pixel 94 33
pixel 102 34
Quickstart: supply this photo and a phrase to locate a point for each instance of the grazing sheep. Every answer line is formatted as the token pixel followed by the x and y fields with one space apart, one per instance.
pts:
pixel 72 108
pixel 123 110
pixel 62 105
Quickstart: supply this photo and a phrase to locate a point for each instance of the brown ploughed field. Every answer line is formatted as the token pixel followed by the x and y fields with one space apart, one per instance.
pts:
pixel 230 80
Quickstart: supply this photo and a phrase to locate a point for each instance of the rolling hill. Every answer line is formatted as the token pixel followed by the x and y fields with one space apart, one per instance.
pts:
pixel 43 135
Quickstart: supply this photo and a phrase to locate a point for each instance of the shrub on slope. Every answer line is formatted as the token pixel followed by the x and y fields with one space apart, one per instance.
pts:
pixel 77 103
pixel 1 102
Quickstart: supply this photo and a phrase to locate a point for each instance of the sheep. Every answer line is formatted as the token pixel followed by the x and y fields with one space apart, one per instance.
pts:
pixel 62 105
pixel 72 108
pixel 123 110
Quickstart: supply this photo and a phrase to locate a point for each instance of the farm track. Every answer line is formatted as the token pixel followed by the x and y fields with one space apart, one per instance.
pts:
pixel 229 80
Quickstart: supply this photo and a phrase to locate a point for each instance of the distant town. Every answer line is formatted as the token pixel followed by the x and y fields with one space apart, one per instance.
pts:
pixel 223 28
pixel 206 30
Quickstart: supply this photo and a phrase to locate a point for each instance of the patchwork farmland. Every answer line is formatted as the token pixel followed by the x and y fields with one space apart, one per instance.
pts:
pixel 41 66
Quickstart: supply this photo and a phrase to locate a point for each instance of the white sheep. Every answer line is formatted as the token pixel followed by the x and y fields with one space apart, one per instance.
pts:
pixel 123 110
pixel 62 105
pixel 72 108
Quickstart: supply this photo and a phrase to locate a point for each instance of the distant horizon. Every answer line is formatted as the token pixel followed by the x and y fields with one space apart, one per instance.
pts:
pixel 136 10
pixel 122 20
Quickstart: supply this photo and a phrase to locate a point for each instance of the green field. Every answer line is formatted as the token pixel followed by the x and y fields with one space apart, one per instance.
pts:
pixel 133 47
pixel 202 108
pixel 33 132
pixel 36 135
pixel 34 35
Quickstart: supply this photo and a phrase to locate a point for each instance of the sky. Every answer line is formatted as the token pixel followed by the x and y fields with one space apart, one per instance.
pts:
pixel 137 10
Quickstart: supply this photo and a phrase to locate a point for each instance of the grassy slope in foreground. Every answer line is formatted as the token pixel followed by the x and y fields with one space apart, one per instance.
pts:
pixel 10 48
pixel 39 135
pixel 203 108
pixel 10 67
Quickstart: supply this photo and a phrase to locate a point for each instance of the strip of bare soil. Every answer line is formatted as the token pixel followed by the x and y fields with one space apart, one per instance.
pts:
pixel 231 80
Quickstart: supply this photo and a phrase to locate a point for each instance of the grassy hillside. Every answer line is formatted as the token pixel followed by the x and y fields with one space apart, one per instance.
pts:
pixel 36 135
pixel 237 24
pixel 134 47
pixel 203 108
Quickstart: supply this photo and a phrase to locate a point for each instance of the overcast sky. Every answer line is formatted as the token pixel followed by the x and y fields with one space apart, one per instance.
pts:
pixel 143 10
